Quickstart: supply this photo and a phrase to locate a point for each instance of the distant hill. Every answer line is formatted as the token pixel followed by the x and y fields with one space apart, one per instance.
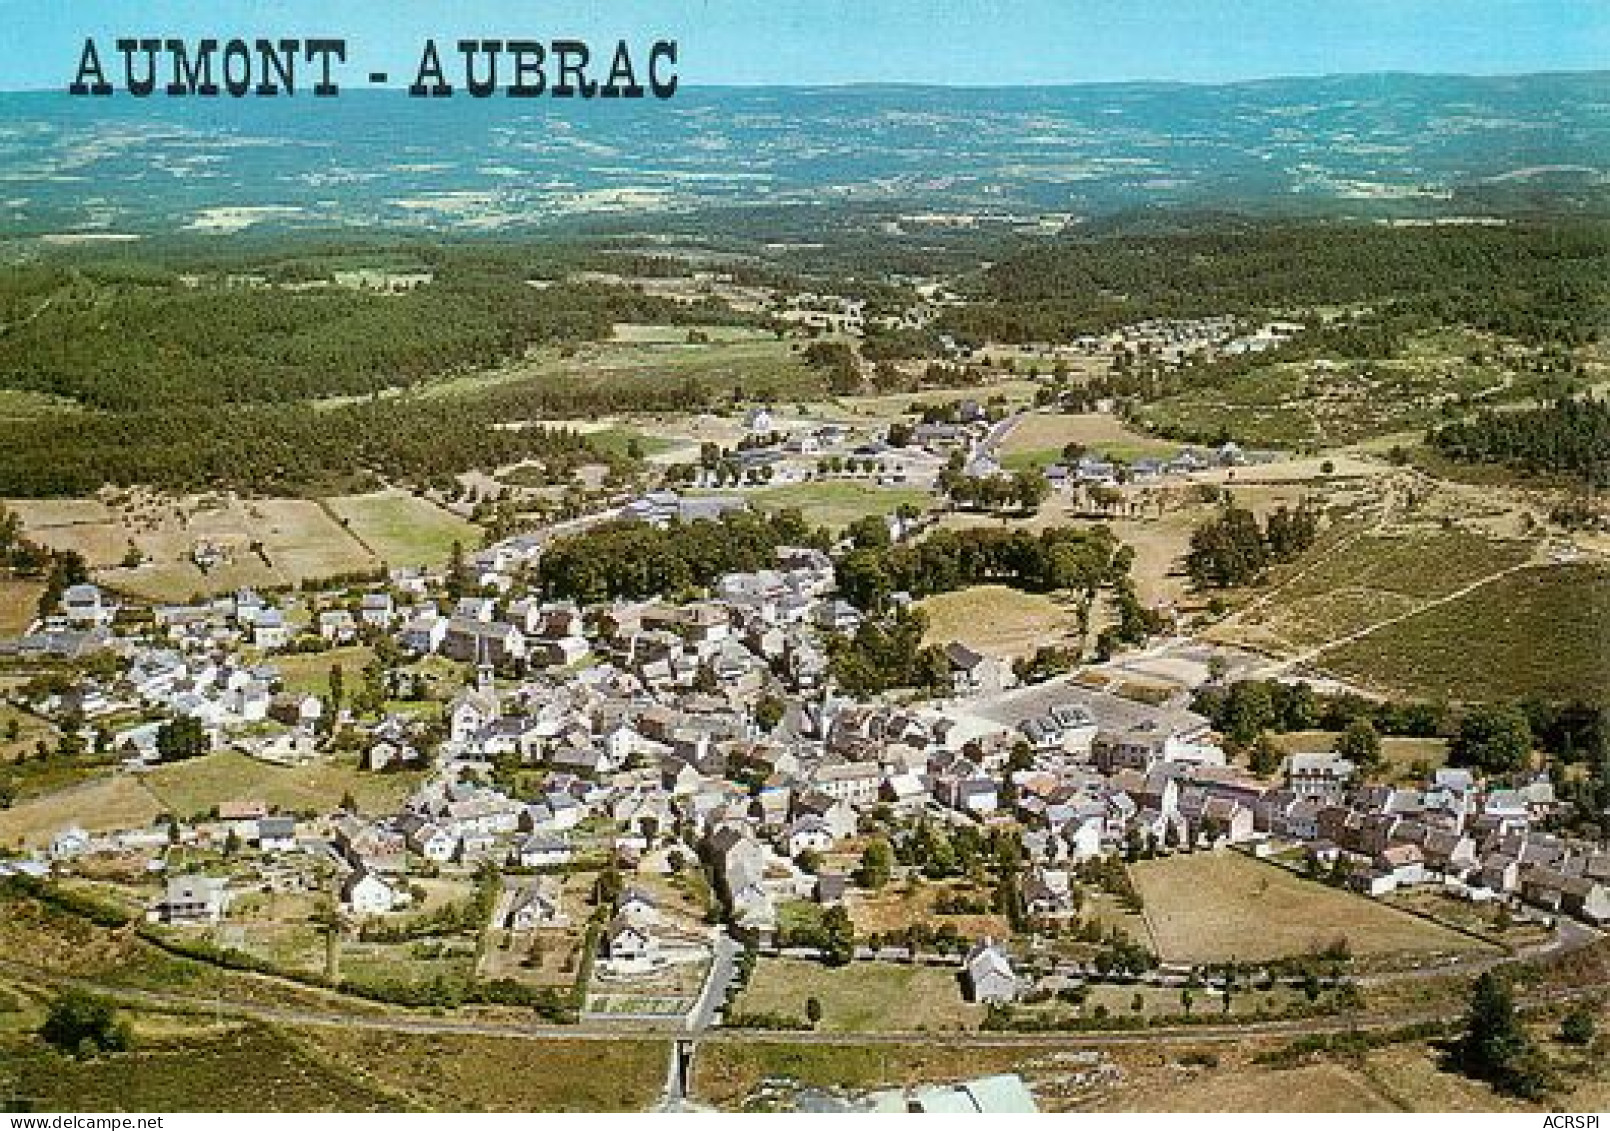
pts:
pixel 1397 145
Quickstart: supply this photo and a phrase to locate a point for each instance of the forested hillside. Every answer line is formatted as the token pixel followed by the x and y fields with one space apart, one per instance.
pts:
pixel 1533 281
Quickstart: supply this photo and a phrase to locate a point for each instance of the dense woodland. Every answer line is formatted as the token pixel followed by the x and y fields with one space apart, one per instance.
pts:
pixel 266 447
pixel 1539 283
pixel 1570 436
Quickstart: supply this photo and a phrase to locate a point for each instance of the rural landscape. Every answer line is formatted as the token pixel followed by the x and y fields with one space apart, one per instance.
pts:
pixel 1122 624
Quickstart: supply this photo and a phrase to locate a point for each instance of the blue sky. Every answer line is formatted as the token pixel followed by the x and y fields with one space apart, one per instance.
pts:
pixel 963 42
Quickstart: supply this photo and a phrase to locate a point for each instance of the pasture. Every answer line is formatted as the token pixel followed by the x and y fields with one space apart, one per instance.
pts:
pixel 104 804
pixel 402 529
pixel 832 503
pixel 1039 438
pixel 201 784
pixel 1222 906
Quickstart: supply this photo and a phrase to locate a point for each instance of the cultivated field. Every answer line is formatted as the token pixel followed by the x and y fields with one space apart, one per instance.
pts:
pixel 265 542
pixel 1219 906
pixel 862 997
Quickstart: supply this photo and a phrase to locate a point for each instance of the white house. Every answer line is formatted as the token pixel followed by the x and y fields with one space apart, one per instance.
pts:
pixel 367 893
pixel 990 977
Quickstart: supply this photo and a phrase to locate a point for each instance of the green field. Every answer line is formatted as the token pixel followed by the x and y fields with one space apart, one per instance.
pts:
pixel 403 529
pixel 309 672
pixel 1542 631
pixel 833 504
pixel 22 404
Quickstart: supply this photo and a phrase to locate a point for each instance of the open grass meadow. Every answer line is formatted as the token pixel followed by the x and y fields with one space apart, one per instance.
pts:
pixel 862 997
pixel 201 784
pixel 833 504
pixel 1221 906
pixel 998 620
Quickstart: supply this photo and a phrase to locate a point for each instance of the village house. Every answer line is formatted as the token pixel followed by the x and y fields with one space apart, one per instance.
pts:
pixel 1319 777
pixel 369 893
pixel 192 899
pixel 989 974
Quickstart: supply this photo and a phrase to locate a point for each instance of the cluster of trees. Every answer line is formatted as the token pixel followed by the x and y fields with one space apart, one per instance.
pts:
pixel 636 560
pixel 80 1023
pixel 1025 490
pixel 1080 559
pixel 883 654
pixel 940 853
pixel 182 738
pixel 837 360
pixel 1495 738
pixel 1571 436
pixel 1232 549
pixel 1495 1046
pixel 1248 707
pixel 833 934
